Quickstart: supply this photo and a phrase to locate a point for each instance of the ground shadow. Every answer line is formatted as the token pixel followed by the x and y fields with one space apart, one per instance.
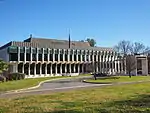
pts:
pixel 138 104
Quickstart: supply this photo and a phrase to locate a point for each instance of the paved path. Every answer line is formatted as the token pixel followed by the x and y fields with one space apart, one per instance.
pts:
pixel 58 86
pixel 53 86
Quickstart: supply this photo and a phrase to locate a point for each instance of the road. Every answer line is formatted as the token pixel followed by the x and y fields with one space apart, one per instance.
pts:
pixel 53 86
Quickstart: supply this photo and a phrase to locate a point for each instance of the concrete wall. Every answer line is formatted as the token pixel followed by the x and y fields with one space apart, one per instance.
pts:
pixel 4 55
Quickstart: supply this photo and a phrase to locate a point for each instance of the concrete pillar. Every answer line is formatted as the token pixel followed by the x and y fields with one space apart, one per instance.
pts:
pixel 60 68
pixel 77 57
pixel 31 55
pixel 23 68
pixel 100 64
pixel 69 68
pixel 51 69
pixel 82 68
pixel 118 66
pixel 34 69
pixel 145 66
pixel 29 70
pixel 74 68
pixel 48 55
pixel 56 69
pixel 18 54
pixel 37 55
pixel 46 69
pixel 65 68
pixel 53 57
pixel 42 54
pixel 25 54
pixel 40 68
pixel 78 68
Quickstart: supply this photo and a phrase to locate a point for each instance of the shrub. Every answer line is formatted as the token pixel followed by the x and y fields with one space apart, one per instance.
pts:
pixel 16 76
pixel 2 78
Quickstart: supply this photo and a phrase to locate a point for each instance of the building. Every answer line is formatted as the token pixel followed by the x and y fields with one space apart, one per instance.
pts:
pixel 143 64
pixel 39 57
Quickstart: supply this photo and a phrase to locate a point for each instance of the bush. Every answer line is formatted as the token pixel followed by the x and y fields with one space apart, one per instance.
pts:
pixel 15 76
pixel 2 78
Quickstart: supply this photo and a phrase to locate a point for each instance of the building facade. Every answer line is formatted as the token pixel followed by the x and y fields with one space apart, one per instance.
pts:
pixel 38 57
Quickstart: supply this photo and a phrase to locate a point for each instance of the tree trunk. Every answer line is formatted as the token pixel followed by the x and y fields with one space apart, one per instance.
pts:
pixel 129 74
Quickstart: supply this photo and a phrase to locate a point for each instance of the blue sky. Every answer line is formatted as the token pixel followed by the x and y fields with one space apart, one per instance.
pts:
pixel 107 21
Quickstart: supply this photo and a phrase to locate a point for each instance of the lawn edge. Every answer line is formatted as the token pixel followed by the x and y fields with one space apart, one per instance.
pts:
pixel 40 83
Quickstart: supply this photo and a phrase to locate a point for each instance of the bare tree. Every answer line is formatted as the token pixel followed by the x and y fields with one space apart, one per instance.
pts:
pixel 130 64
pixel 127 51
pixel 138 48
pixel 123 47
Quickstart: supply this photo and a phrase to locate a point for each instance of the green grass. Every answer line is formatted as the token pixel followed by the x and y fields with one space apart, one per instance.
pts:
pixel 131 98
pixel 116 79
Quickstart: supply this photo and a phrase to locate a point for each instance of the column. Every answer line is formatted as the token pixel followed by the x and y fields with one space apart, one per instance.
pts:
pixel 37 56
pixel 77 56
pixel 40 68
pixel 59 55
pixel 78 68
pixel 23 68
pixel 60 68
pixel 31 54
pixel 25 54
pixel 46 69
pixel 48 55
pixel 69 68
pixel 100 64
pixel 145 66
pixel 51 69
pixel 29 70
pixel 74 68
pixel 18 54
pixel 65 68
pixel 56 69
pixel 53 57
pixel 89 58
pixel 42 54
pixel 82 68
pixel 35 69
pixel 118 66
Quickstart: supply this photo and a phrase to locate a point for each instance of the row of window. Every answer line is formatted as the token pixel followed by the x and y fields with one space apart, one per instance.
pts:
pixel 14 57
pixel 12 49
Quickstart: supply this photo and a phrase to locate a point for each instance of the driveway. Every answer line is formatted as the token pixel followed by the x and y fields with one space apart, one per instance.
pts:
pixel 54 86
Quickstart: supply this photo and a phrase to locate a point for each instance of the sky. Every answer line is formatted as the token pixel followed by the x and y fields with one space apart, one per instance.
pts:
pixel 107 21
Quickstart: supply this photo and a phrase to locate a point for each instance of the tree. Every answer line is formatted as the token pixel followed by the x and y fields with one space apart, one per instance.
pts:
pixel 138 48
pixel 127 51
pixel 3 66
pixel 130 64
pixel 91 41
pixel 81 40
pixel 123 47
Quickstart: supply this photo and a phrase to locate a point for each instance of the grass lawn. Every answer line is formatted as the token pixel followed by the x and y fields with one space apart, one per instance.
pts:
pixel 131 98
pixel 26 83
pixel 115 79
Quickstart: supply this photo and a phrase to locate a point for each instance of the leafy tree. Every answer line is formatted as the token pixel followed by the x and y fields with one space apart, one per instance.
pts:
pixel 91 41
pixel 3 66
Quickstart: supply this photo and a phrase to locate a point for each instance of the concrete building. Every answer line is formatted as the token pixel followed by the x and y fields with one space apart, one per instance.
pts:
pixel 39 57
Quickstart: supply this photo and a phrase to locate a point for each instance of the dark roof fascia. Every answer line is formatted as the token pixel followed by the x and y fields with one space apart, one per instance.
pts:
pixel 6 45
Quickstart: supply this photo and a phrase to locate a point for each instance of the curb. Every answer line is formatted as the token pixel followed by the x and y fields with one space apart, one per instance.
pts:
pixel 39 84
pixel 111 83
pixel 34 87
